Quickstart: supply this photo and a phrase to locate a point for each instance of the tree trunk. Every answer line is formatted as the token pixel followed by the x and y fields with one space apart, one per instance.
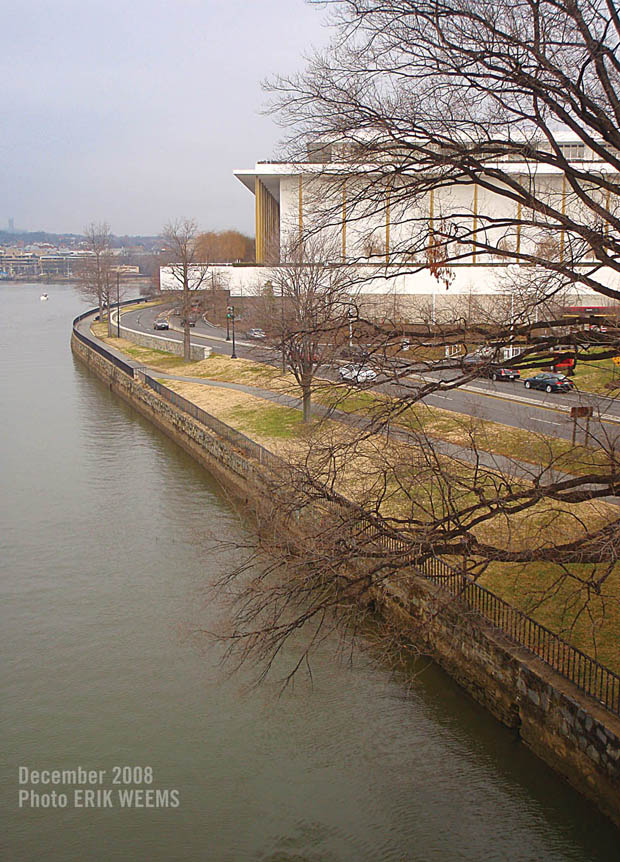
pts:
pixel 306 400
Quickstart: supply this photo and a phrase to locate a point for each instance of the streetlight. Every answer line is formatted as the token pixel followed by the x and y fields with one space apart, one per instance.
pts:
pixel 230 315
pixel 351 314
pixel 118 304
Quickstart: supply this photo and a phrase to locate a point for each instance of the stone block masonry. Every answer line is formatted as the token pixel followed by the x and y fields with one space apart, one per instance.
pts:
pixel 566 729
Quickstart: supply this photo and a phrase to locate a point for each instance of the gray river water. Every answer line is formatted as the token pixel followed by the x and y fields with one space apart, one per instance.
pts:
pixel 106 554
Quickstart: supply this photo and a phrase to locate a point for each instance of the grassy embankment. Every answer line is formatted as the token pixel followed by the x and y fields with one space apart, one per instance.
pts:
pixel 558 603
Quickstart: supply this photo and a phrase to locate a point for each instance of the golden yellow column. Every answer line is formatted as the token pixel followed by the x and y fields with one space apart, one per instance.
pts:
pixel 259 228
pixel 475 224
pixel 607 205
pixel 301 210
pixel 344 221
pixel 563 213
pixel 388 194
pixel 431 216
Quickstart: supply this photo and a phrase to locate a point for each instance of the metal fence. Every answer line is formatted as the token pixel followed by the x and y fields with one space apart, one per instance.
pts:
pixel 126 367
pixel 591 677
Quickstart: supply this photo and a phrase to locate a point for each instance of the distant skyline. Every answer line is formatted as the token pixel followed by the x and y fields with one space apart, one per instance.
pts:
pixel 138 113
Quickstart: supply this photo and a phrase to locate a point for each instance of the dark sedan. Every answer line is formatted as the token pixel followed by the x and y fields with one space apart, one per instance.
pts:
pixel 549 382
pixel 504 373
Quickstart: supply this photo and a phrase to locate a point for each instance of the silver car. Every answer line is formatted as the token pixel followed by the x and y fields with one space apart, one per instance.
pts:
pixel 357 374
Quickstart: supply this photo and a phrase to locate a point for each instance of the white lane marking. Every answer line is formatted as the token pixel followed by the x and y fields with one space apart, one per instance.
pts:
pixel 445 397
pixel 546 421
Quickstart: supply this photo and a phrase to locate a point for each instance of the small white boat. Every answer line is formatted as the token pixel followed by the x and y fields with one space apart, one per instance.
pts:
pixel 43 297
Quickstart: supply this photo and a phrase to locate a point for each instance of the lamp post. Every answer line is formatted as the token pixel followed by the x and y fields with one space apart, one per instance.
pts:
pixel 118 305
pixel 228 323
pixel 351 314
pixel 230 316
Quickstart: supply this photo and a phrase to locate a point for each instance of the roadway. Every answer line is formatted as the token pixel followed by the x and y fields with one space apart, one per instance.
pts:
pixel 503 402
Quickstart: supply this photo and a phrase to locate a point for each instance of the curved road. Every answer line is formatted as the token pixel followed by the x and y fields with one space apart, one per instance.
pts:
pixel 502 402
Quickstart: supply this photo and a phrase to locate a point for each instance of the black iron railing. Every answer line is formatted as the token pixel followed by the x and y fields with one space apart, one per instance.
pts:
pixel 589 675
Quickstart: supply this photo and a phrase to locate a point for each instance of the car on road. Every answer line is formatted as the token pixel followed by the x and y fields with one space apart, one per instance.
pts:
pixel 478 357
pixel 161 323
pixel 503 373
pixel 549 382
pixel 192 321
pixel 255 333
pixel 357 374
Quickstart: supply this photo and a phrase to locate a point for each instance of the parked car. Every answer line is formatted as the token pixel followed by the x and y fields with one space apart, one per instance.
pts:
pixel 161 323
pixel 255 333
pixel 549 382
pixel 503 373
pixel 478 357
pixel 357 374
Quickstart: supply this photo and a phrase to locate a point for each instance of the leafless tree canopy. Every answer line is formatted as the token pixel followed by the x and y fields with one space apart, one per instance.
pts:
pixel 428 96
pixel 416 100
pixel 181 256
pixel 95 276
pixel 309 303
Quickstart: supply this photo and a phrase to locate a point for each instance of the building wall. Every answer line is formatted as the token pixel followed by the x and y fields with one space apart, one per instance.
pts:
pixel 469 279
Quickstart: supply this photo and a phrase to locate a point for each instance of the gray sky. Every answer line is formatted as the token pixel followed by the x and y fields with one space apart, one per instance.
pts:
pixel 137 112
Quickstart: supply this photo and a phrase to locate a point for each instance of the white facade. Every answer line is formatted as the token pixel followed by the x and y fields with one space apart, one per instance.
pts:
pixel 292 199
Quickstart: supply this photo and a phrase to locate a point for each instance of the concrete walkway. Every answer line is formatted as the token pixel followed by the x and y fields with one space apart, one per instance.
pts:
pixel 489 460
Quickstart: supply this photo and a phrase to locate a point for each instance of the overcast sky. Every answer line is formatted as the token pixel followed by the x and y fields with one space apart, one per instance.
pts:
pixel 138 112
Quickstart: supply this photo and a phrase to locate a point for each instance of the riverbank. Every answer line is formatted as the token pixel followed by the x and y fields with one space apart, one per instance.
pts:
pixel 566 729
pixel 261 402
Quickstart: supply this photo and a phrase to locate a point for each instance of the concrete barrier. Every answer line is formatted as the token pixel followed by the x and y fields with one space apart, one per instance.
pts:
pixel 160 342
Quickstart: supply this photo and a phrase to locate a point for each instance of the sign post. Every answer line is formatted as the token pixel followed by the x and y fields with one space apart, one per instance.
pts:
pixel 230 316
pixel 581 413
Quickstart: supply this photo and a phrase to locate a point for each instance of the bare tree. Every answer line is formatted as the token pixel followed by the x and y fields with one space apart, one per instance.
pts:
pixel 185 268
pixel 311 300
pixel 414 102
pixel 95 275
pixel 435 96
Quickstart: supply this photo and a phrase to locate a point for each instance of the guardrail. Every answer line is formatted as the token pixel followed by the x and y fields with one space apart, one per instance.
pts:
pixel 126 367
pixel 589 675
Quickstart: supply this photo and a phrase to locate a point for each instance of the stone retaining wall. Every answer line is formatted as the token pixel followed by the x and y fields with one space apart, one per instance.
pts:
pixel 566 729
pixel 160 342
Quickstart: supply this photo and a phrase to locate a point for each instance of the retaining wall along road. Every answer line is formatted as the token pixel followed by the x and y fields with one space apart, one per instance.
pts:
pixel 160 342
pixel 567 729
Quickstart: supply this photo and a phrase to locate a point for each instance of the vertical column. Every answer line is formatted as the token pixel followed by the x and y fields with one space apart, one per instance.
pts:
pixel 301 210
pixel 563 213
pixel 388 195
pixel 344 221
pixel 519 211
pixel 474 256
pixel 260 251
pixel 431 216
pixel 607 205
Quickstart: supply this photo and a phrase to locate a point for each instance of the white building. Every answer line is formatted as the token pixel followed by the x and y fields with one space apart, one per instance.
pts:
pixel 369 227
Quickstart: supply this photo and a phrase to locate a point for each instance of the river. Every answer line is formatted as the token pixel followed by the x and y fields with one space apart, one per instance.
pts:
pixel 107 553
